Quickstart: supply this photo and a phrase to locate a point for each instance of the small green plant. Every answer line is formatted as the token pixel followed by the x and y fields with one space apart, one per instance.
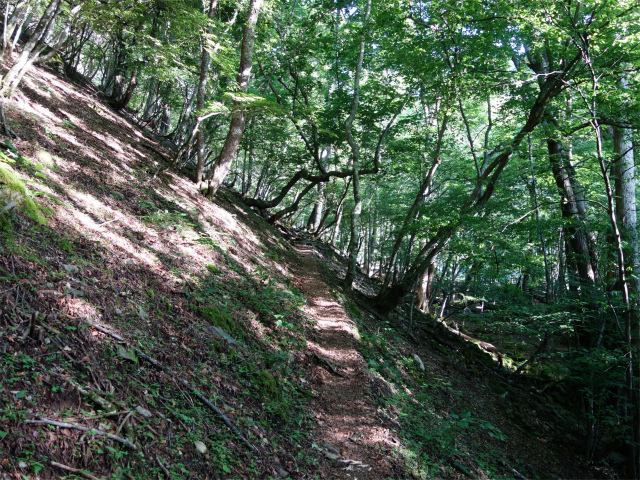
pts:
pixel 353 309
pixel 65 245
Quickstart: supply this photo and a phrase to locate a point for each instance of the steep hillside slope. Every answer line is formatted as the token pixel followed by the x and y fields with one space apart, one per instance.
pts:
pixel 146 332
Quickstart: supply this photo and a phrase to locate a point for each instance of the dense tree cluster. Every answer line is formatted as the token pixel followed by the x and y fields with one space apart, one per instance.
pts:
pixel 450 149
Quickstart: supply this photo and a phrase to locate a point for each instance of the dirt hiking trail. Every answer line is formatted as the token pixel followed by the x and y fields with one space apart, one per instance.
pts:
pixel 355 442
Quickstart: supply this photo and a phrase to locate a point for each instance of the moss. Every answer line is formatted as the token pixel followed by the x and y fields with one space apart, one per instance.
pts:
pixel 65 245
pixel 217 317
pixel 216 347
pixel 213 269
pixel 496 387
pixel 353 309
pixel 12 188
pixel 270 390
pixel 47 160
pixel 267 385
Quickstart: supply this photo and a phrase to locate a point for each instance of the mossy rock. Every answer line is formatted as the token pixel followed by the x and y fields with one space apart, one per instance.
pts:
pixel 269 388
pixel 47 160
pixel 217 317
pixel 13 189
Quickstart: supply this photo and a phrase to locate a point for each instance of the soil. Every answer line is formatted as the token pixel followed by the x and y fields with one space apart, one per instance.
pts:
pixel 348 428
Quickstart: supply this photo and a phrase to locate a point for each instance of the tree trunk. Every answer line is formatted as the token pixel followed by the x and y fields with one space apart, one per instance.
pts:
pixel 413 210
pixel 205 62
pixel 626 216
pixel 236 129
pixel 534 193
pixel 574 207
pixel 355 158
pixel 425 289
pixel 372 239
pixel 124 100
pixel 31 50
pixel 13 24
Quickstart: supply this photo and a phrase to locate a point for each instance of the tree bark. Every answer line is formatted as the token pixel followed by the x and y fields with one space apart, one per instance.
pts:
pixel 31 50
pixel 355 158
pixel 205 62
pixel 573 207
pixel 236 129
pixel 626 217
pixel 425 289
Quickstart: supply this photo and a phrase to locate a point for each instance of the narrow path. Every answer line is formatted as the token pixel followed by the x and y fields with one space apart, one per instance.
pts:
pixel 348 428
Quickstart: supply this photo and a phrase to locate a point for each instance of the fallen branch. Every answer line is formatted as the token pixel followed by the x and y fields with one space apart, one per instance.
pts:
pixel 74 470
pixel 164 469
pixel 108 406
pixel 182 381
pixel 46 421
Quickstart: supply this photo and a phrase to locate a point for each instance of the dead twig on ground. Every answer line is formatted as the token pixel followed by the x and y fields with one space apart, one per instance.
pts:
pixel 108 406
pixel 164 469
pixel 126 419
pixel 182 381
pixel 74 470
pixel 46 421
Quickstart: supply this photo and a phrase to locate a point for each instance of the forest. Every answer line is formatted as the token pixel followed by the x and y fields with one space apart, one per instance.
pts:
pixel 463 158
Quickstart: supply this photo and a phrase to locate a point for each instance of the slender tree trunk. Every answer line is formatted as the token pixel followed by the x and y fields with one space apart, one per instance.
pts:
pixel 355 157
pixel 372 238
pixel 13 24
pixel 205 63
pixel 413 210
pixel 31 49
pixel 236 129
pixel 534 191
pixel 626 217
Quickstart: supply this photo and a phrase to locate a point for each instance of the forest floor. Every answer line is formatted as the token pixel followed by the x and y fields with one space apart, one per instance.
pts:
pixel 139 299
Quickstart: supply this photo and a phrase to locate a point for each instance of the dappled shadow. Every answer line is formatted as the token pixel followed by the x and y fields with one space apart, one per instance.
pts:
pixel 349 426
pixel 143 260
